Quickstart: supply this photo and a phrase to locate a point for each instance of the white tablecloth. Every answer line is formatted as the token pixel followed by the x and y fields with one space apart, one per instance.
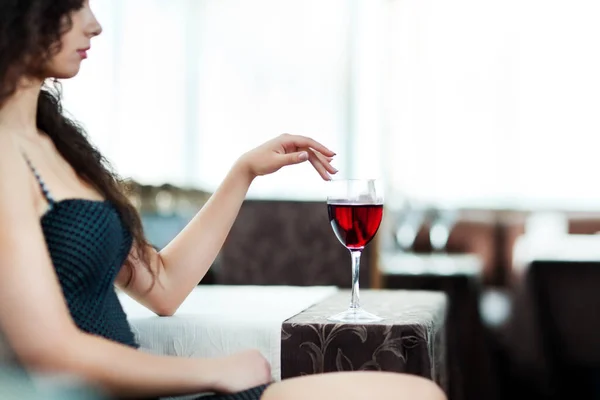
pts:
pixel 397 263
pixel 571 247
pixel 219 320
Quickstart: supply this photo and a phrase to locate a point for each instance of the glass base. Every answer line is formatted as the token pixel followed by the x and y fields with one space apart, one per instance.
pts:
pixel 355 315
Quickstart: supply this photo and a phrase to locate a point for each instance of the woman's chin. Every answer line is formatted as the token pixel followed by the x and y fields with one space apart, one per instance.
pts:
pixel 66 73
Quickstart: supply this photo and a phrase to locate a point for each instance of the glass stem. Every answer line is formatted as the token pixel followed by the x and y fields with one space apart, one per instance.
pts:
pixel 355 302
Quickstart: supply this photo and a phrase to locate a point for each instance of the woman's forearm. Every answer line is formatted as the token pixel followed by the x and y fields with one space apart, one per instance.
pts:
pixel 183 263
pixel 188 257
pixel 124 371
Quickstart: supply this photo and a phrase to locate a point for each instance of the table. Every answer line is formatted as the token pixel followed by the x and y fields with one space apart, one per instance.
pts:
pixel 470 366
pixel 410 338
pixel 216 320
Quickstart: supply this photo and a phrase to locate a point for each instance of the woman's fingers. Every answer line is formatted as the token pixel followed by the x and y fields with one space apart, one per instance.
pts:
pixel 319 156
pixel 306 142
pixel 325 161
pixel 321 165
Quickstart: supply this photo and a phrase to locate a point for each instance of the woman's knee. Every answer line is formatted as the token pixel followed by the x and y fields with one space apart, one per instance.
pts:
pixel 355 385
pixel 404 386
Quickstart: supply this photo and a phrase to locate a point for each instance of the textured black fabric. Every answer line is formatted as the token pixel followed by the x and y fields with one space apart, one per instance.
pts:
pixel 88 245
pixel 250 394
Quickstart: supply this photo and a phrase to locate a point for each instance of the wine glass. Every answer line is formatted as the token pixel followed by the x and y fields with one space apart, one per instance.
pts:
pixel 355 209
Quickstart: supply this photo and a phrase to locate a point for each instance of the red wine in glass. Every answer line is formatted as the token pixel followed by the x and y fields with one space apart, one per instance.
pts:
pixel 355 208
pixel 355 224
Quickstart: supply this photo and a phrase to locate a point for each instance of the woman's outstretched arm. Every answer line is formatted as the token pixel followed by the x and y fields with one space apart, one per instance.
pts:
pixel 35 320
pixel 184 262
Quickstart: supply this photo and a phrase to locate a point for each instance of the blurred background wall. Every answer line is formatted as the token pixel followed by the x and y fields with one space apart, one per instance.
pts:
pixel 484 110
pixel 466 103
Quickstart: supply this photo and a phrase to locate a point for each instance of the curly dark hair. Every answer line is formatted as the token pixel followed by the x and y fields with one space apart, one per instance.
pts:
pixel 30 35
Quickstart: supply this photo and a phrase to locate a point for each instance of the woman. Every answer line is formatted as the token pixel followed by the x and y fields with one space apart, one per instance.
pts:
pixel 68 235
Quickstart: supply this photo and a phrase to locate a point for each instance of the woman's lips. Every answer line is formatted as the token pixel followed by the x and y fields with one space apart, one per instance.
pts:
pixel 83 53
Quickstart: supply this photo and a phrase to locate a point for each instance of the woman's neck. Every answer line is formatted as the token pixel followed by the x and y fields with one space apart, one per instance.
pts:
pixel 18 114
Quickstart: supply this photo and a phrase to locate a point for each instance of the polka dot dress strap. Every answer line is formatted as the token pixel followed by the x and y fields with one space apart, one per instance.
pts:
pixel 40 181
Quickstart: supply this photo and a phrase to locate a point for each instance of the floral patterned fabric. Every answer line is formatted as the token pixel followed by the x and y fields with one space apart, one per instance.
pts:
pixel 410 339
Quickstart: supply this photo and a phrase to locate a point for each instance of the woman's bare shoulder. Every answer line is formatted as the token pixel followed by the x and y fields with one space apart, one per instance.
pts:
pixel 10 151
pixel 15 179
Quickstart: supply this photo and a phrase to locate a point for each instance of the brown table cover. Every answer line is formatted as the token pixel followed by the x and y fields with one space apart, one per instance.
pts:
pixel 410 339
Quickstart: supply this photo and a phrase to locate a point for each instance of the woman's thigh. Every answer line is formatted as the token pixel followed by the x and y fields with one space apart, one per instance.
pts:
pixel 355 385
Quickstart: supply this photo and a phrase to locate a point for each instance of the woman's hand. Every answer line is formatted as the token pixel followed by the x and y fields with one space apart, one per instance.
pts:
pixel 241 371
pixel 288 150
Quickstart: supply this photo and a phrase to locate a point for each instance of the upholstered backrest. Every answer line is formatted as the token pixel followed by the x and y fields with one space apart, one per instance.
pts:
pixel 286 243
pixel 567 303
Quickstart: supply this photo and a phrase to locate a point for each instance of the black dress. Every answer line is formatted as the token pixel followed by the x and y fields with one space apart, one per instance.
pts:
pixel 88 245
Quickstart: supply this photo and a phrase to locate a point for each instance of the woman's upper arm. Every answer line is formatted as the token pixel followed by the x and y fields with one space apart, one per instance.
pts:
pixel 33 314
pixel 147 288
